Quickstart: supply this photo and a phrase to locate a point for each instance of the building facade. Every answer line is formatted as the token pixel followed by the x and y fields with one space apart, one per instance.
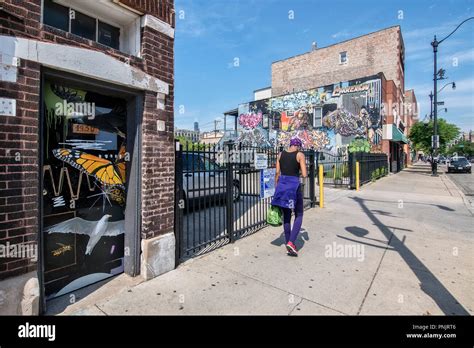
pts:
pixel 87 145
pixel 192 135
pixel 378 53
pixel 468 136
pixel 211 138
pixel 332 96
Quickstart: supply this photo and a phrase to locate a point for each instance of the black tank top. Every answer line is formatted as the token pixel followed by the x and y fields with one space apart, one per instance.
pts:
pixel 288 164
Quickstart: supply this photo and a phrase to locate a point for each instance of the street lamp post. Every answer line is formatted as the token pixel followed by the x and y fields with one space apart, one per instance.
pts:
pixel 431 105
pixel 435 45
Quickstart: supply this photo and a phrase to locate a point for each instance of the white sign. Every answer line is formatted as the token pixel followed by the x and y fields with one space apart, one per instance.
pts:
pixel 267 182
pixel 261 161
pixel 435 141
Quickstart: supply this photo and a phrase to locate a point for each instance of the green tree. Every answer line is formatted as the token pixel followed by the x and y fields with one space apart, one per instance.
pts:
pixel 189 145
pixel 420 135
pixel 463 148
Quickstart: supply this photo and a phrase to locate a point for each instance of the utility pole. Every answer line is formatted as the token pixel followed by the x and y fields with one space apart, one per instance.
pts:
pixel 434 165
pixel 435 45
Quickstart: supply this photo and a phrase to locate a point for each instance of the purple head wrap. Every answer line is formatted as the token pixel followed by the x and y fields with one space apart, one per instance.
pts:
pixel 295 142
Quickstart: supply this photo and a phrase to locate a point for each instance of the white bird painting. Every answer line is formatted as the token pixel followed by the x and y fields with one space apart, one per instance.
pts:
pixel 94 229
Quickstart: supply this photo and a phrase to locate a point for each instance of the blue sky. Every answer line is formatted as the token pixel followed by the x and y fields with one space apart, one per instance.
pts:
pixel 211 34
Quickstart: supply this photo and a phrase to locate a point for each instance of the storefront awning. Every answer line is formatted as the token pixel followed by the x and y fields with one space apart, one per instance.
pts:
pixel 397 135
pixel 392 133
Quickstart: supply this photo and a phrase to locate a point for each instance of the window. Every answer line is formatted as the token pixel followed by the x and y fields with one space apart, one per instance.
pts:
pixel 109 35
pixel 80 24
pixel 343 57
pixel 318 117
pixel 56 15
pixel 83 25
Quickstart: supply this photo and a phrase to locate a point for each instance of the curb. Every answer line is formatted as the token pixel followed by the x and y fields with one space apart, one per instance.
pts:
pixel 469 205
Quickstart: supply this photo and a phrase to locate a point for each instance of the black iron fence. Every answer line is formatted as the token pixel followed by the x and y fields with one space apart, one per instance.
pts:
pixel 220 198
pixel 219 195
pixel 372 166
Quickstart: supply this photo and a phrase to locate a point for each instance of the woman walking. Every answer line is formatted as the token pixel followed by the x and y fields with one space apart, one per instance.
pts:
pixel 289 193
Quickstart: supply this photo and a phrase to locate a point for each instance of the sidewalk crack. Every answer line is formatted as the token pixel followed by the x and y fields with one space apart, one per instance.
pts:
pixel 100 309
pixel 296 305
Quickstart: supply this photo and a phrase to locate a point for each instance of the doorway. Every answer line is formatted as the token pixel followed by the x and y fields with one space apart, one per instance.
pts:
pixel 90 166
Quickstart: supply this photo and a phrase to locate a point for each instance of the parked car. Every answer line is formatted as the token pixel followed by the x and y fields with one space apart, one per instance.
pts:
pixel 204 180
pixel 442 159
pixel 459 164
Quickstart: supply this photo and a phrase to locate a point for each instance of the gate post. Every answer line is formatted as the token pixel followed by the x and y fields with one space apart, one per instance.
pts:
pixel 350 164
pixel 312 178
pixel 178 200
pixel 229 191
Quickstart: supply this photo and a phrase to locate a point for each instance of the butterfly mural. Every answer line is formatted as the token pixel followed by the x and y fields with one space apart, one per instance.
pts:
pixel 103 170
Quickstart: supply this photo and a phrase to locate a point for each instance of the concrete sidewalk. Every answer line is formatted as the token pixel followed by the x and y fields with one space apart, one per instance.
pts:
pixel 401 245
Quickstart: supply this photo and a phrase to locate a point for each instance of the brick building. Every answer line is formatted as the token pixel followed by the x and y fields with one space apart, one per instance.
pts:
pixel 379 53
pixel 87 149
pixel 333 96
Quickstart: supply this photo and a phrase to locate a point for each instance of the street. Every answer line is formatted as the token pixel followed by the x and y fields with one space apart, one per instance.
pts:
pixel 464 181
pixel 403 245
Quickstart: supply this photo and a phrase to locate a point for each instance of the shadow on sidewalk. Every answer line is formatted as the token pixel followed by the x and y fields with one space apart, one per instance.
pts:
pixel 302 237
pixel 59 304
pixel 428 282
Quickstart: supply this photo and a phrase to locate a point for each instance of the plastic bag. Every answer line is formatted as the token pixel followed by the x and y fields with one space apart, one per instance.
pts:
pixel 274 216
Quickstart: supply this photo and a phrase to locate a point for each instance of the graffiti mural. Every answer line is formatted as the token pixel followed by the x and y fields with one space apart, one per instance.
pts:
pixel 295 101
pixel 345 123
pixel 250 120
pixel 311 139
pixel 326 118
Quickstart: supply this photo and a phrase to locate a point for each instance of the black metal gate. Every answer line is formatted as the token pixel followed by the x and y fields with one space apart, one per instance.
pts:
pixel 335 168
pixel 218 195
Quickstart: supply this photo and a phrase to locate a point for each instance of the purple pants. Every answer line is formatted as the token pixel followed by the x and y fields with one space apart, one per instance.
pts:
pixel 292 233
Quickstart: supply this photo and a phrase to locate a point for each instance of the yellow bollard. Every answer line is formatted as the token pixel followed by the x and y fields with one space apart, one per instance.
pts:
pixel 357 175
pixel 321 186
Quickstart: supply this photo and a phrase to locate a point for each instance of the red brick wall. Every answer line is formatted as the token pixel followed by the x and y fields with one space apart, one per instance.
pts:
pixel 163 9
pixel 158 147
pixel 19 167
pixel 19 180
pixel 367 55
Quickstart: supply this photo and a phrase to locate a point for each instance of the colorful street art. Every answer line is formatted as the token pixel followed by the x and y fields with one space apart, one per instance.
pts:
pixel 295 101
pixel 84 186
pixel 315 139
pixel 251 123
pixel 345 123
pixel 326 118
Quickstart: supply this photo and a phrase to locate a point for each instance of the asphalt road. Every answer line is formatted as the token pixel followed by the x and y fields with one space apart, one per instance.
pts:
pixel 464 181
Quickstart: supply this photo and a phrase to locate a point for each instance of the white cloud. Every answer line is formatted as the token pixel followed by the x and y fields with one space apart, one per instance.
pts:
pixel 461 56
pixel 460 100
pixel 340 34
